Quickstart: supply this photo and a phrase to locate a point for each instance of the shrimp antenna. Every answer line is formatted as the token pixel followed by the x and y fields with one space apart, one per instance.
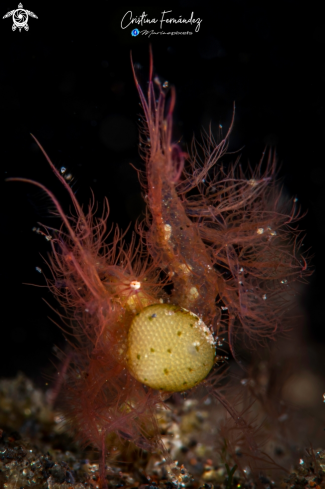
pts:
pixel 60 177
pixel 60 210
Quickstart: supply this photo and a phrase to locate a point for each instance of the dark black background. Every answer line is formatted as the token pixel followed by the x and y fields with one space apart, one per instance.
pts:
pixel 69 82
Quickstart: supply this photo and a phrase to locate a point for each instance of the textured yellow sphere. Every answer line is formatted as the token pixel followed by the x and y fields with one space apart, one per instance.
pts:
pixel 169 348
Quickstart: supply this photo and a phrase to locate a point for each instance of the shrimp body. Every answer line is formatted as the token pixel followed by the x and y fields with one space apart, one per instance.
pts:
pixel 225 237
pixel 223 240
pixel 173 240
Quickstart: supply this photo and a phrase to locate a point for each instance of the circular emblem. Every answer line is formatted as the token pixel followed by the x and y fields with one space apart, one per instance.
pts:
pixel 20 19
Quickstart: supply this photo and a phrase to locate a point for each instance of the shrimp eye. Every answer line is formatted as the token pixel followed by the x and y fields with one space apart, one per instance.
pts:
pixel 169 348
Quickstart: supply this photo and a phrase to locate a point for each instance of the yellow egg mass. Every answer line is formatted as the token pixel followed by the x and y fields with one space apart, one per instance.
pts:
pixel 169 348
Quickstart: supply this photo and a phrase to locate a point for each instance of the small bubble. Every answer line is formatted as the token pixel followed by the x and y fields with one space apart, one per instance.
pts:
pixel 284 281
pixel 301 461
pixel 264 297
pixel 63 170
pixel 166 84
pixel 224 308
pixel 135 285
pixel 38 269
pixel 272 233
pixel 260 231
